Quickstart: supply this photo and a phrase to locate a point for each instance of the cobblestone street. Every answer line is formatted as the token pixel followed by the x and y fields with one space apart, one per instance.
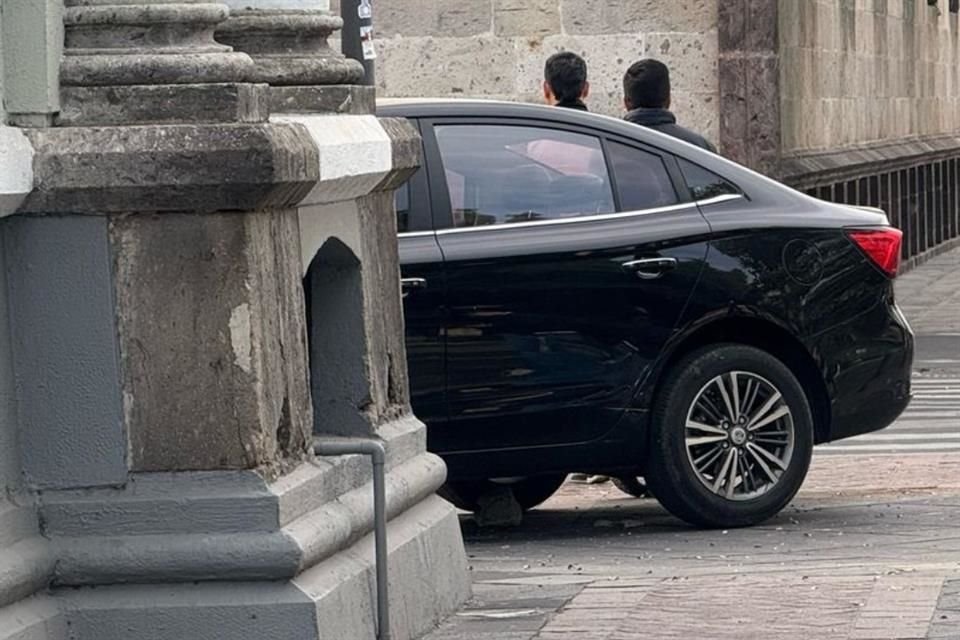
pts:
pixel 869 550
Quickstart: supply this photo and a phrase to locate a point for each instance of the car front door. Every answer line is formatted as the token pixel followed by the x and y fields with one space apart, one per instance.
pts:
pixel 556 302
pixel 422 286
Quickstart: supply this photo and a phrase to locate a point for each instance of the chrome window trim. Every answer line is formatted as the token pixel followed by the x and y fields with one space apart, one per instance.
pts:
pixel 416 234
pixel 727 197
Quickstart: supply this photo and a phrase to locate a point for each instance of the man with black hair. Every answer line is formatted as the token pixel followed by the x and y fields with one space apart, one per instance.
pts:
pixel 565 81
pixel 565 85
pixel 646 96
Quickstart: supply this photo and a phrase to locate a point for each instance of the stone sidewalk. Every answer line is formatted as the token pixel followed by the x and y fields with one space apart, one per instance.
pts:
pixel 869 550
pixel 930 295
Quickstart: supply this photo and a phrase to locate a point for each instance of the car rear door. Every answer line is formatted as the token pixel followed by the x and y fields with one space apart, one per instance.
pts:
pixel 557 302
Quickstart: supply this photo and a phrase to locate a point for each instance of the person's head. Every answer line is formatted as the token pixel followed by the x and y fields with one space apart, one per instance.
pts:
pixel 646 85
pixel 565 78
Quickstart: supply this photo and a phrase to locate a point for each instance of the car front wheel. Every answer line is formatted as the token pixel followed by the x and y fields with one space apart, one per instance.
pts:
pixel 732 437
pixel 529 492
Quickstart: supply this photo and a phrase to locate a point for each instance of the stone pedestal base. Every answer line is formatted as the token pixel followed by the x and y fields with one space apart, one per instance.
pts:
pixel 229 555
pixel 334 599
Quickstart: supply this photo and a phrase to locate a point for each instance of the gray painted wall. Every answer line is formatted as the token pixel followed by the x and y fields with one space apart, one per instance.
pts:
pixel 9 458
pixel 3 113
pixel 65 354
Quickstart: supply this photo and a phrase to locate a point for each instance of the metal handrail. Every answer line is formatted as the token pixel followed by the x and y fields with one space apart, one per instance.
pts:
pixel 378 455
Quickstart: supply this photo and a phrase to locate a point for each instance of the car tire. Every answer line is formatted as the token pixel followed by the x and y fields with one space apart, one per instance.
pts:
pixel 693 421
pixel 632 486
pixel 529 492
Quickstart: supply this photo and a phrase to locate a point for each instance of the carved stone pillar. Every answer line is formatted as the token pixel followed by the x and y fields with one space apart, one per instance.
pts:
pixel 290 50
pixel 152 63
pixel 153 265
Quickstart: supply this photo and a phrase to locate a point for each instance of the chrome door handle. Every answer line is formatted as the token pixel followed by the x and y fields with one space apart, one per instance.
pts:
pixel 410 284
pixel 650 268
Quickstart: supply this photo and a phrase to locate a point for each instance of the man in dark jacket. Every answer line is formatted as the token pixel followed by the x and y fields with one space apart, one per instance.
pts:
pixel 646 95
pixel 565 81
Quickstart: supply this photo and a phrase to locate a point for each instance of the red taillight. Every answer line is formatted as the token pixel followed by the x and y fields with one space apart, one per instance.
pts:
pixel 882 246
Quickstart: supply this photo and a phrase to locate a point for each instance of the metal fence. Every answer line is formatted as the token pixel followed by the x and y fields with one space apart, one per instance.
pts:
pixel 923 201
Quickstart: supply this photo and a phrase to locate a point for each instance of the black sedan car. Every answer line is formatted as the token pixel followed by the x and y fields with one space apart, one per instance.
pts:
pixel 584 294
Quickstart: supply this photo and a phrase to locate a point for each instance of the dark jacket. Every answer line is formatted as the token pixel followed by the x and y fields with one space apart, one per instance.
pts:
pixel 665 122
pixel 573 104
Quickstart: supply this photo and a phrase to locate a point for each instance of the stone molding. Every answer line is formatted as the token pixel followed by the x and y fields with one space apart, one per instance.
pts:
pixel 233 526
pixel 213 103
pixel 16 169
pixel 811 169
pixel 38 617
pixel 333 599
pixel 294 160
pixel 290 47
pixel 344 176
pixel 135 43
pixel 87 170
pixel 28 567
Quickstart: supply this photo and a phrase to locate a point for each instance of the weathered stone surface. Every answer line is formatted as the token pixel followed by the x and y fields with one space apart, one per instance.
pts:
pixel 448 19
pixel 749 78
pixel 692 59
pixel 139 43
pixel 178 168
pixel 626 16
pixel 346 99
pixel 608 58
pixel 698 110
pixel 358 361
pixel 856 76
pixel 389 385
pixel 405 147
pixel 290 47
pixel 531 18
pixel 447 66
pixel 162 104
pixel 215 373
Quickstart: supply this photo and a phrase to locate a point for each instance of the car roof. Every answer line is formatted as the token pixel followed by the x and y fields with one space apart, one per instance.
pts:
pixel 758 186
pixel 479 108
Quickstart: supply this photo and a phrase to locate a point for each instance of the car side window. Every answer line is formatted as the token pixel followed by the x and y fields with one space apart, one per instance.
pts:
pixel 642 178
pixel 502 174
pixel 704 184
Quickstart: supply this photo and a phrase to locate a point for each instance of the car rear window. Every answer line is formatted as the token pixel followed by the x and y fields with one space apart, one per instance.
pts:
pixel 502 174
pixel 705 184
pixel 642 178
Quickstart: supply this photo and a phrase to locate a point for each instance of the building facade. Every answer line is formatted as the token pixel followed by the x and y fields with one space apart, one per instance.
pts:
pixel 853 100
pixel 199 291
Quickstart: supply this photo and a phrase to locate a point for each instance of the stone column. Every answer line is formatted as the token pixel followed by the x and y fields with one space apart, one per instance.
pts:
pixel 749 70
pixel 138 62
pixel 159 353
pixel 288 41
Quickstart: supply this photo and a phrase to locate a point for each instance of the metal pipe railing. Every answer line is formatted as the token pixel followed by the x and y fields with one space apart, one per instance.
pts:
pixel 378 455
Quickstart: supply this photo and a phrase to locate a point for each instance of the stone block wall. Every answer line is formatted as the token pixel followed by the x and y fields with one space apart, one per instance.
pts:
pixel 496 48
pixel 855 72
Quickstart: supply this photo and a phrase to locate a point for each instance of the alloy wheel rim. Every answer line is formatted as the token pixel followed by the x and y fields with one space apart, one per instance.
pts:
pixel 739 435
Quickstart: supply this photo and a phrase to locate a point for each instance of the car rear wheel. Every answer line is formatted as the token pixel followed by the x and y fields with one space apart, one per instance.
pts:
pixel 732 439
pixel 529 492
